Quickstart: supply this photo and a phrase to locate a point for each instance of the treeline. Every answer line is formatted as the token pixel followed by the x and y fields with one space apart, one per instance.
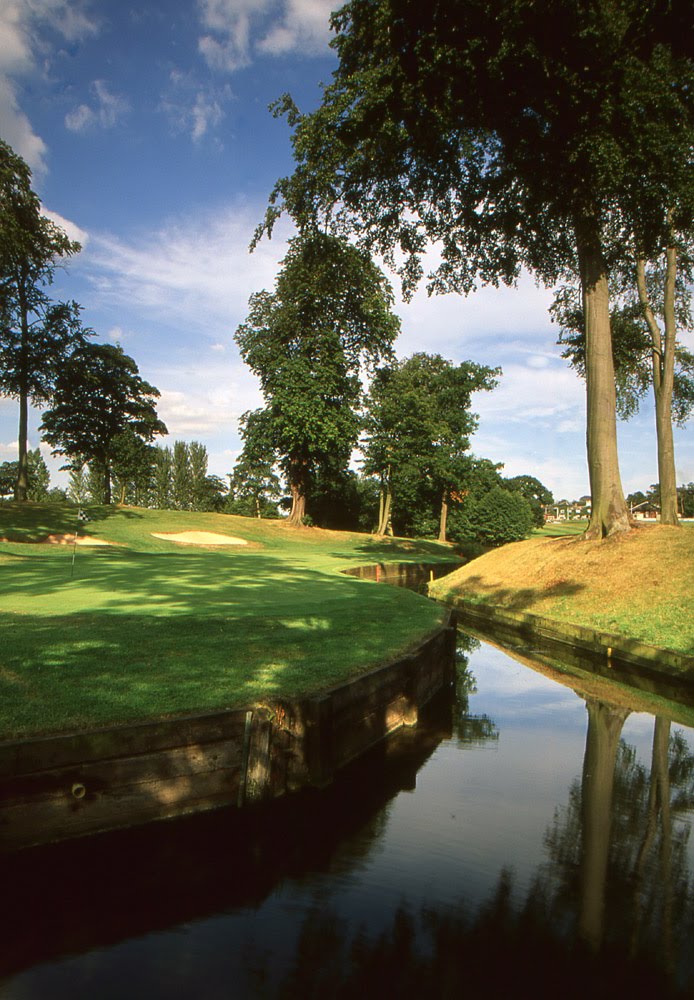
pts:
pixel 173 478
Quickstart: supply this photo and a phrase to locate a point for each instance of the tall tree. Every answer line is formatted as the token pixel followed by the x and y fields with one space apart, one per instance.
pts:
pixel 511 133
pixel 36 335
pixel 98 395
pixel 649 304
pixel 418 422
pixel 328 319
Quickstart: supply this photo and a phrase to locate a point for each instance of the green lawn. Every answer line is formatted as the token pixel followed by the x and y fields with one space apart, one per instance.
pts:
pixel 146 627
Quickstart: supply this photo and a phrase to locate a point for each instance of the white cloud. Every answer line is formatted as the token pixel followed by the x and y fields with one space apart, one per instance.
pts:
pixel 21 50
pixel 107 111
pixel 195 274
pixel 239 30
pixel 71 228
pixel 192 108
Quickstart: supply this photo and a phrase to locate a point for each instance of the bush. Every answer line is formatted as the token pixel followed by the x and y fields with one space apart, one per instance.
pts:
pixel 500 516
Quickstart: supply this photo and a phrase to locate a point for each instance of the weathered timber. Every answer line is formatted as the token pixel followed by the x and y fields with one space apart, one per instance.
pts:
pixel 65 786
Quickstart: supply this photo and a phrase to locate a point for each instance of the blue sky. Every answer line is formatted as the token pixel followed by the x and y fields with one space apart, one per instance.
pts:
pixel 148 132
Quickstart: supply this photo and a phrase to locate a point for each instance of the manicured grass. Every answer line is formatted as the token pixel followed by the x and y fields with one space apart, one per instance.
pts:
pixel 147 628
pixel 639 585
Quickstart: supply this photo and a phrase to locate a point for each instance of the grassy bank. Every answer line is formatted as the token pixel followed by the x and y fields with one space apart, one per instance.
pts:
pixel 147 627
pixel 640 585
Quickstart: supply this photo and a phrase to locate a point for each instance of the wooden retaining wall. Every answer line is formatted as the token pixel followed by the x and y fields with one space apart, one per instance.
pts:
pixel 635 662
pixel 60 787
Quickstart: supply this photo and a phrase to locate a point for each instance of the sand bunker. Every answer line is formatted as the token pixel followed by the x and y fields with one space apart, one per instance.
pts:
pixel 200 538
pixel 80 540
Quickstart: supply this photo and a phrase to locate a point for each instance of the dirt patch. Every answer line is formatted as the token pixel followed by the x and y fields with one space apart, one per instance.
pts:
pixel 199 538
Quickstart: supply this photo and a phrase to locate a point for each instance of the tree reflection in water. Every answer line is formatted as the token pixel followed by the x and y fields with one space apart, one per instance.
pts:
pixel 611 911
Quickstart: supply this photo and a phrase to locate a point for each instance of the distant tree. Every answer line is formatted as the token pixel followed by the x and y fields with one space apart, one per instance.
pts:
pixel 162 482
pixel 36 335
pixel 132 465
pixel 98 395
pixel 418 421
pixel 78 485
pixel 537 495
pixel 181 479
pixel 328 319
pixel 254 485
pixel 686 499
pixel 38 477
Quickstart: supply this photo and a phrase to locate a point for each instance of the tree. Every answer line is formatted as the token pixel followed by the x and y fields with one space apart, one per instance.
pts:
pixel 328 319
pixel 97 396
pixel 132 465
pixel 162 484
pixel 254 484
pixel 650 303
pixel 418 421
pixel 510 133
pixel 38 477
pixel 537 495
pixel 36 335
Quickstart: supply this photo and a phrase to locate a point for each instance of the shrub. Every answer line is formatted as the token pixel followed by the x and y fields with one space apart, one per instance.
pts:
pixel 500 516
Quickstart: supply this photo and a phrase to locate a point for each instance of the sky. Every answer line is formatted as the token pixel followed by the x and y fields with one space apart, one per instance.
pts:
pixel 148 133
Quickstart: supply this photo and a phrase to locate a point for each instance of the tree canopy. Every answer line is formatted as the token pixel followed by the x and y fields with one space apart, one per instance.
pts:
pixel 418 422
pixel 328 319
pixel 509 133
pixel 99 395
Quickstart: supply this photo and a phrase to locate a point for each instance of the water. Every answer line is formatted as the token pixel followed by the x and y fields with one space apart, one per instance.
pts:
pixel 524 840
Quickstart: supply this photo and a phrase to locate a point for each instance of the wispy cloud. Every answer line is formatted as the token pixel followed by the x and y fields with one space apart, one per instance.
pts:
pixel 23 53
pixel 195 273
pixel 105 111
pixel 237 31
pixel 193 108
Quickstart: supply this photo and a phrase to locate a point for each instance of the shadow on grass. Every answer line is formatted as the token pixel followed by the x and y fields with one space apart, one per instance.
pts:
pixel 516 600
pixel 27 522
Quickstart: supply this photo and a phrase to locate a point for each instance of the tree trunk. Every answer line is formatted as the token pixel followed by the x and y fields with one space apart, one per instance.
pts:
pixel 22 486
pixel 444 516
pixel 609 513
pixel 602 740
pixel 663 363
pixel 257 507
pixel 385 506
pixel 298 510
pixel 107 483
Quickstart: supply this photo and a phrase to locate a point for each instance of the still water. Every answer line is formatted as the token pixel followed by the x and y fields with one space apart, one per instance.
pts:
pixel 525 840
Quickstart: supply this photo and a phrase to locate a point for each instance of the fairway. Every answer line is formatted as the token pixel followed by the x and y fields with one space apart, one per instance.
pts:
pixel 147 627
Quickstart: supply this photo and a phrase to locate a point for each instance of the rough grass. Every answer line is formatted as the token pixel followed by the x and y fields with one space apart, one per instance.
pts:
pixel 148 628
pixel 639 585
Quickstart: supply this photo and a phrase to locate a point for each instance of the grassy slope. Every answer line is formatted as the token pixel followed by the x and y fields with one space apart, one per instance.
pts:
pixel 147 627
pixel 639 585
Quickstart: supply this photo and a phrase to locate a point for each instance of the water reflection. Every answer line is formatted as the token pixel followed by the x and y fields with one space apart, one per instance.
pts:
pixel 533 835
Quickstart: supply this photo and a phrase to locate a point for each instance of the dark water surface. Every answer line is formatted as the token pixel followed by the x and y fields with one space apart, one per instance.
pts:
pixel 525 841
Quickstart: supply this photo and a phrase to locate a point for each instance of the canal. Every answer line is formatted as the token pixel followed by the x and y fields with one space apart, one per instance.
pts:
pixel 526 838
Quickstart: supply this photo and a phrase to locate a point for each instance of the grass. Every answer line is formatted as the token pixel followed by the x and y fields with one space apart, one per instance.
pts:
pixel 147 628
pixel 639 585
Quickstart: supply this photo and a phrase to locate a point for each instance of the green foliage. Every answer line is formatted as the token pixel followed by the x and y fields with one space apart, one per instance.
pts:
pixel 36 335
pixel 496 518
pixel 99 395
pixel 255 486
pixel 328 319
pixel 493 128
pixel 417 426
pixel 537 495
pixel 632 345
pixel 38 477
